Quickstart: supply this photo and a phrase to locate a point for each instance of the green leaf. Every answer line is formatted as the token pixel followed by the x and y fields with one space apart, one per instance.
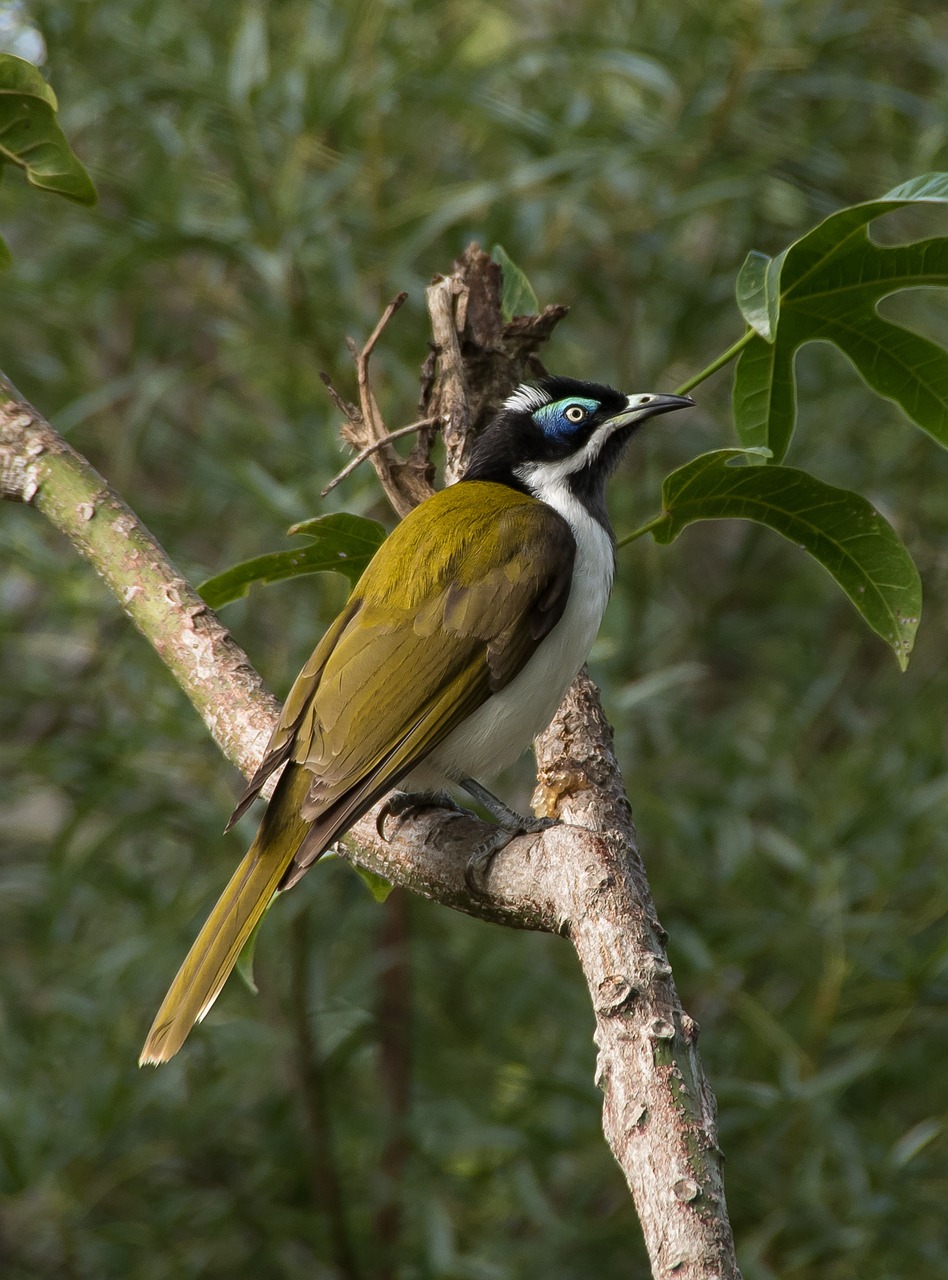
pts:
pixel 377 885
pixel 244 965
pixel 840 529
pixel 827 287
pixel 758 284
pixel 517 297
pixel 250 54
pixel 340 543
pixel 30 136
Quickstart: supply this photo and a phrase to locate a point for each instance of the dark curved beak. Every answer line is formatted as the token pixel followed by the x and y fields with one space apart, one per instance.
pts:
pixel 649 406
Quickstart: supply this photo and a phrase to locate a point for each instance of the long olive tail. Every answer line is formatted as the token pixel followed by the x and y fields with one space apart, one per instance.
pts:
pixel 217 947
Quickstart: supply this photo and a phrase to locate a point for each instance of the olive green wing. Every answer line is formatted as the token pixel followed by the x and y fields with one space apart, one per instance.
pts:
pixel 448 612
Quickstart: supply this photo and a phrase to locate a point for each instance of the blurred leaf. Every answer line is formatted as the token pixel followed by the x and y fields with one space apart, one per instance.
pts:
pixel 378 886
pixel 840 529
pixel 244 965
pixel 827 287
pixel 250 54
pixel 914 1141
pixel 517 297
pixel 30 136
pixel 341 543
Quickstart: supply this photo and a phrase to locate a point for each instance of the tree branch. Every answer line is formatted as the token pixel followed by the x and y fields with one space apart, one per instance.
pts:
pixel 38 466
pixel 583 879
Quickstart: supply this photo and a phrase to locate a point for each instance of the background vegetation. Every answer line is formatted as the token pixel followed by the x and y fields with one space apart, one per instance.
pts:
pixel 269 177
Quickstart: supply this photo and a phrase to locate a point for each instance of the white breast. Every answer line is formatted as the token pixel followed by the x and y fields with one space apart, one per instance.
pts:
pixel 499 731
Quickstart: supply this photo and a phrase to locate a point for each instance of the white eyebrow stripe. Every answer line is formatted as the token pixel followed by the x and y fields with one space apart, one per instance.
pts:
pixel 526 399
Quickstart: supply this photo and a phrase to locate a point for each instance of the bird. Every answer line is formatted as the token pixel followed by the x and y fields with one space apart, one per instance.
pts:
pixel 451 654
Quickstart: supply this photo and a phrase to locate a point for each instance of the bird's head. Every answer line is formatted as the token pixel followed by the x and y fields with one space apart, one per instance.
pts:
pixel 560 437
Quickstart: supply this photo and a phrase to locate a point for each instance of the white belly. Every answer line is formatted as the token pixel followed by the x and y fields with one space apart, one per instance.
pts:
pixel 500 730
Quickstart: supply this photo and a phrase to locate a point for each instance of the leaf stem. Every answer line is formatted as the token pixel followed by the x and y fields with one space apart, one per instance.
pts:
pixel 643 528
pixel 724 358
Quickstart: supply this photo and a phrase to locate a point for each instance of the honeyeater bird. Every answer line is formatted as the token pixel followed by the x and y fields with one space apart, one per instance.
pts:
pixel 452 653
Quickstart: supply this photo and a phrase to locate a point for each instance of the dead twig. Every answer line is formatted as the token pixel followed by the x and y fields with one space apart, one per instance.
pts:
pixel 406 481
pixel 369 449
pixel 447 299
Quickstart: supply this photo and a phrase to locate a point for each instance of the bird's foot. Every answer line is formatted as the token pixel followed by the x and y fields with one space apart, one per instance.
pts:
pixel 402 803
pixel 511 823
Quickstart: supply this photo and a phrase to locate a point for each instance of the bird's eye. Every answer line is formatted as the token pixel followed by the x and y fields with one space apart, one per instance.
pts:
pixel 575 413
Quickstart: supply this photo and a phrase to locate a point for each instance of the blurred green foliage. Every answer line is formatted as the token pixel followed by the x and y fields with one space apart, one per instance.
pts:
pixel 269 177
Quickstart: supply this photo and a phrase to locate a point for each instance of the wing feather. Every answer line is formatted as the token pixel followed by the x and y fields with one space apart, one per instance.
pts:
pixel 447 614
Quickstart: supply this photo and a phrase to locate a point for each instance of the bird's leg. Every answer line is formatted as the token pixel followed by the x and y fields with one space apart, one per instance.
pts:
pixel 400 803
pixel 512 824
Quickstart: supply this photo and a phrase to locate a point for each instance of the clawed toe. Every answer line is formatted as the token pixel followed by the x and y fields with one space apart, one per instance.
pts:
pixel 479 863
pixel 402 803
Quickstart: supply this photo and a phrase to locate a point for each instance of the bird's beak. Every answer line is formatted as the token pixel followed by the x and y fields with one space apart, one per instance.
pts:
pixel 647 406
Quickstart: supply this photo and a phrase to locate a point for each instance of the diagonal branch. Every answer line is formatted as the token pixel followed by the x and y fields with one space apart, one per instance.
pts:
pixel 347 470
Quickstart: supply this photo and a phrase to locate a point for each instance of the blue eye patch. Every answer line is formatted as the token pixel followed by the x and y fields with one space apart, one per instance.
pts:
pixel 561 418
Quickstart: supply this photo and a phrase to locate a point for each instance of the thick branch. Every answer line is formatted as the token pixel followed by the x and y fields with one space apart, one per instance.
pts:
pixel 659 1111
pixel 39 467
pixel 477 356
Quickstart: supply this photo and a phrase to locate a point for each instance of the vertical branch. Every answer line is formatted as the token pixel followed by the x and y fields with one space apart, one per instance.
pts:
pixel 658 1108
pixel 393 1015
pixel 447 306
pixel 327 1185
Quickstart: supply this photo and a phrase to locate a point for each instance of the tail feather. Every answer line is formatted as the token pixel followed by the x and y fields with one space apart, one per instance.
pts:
pixel 220 942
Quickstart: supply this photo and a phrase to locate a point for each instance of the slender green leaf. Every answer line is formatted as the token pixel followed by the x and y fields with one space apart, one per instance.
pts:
pixel 30 136
pixel 244 965
pixel 250 54
pixel 340 543
pixel 517 296
pixel 827 287
pixel 840 529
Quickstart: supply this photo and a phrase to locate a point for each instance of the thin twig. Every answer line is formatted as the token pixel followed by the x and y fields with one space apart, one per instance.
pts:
pixel 406 481
pixel 369 449
pixel 395 305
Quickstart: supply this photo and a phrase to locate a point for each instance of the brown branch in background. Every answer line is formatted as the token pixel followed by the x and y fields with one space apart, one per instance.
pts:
pixel 314 1092
pixel 393 1019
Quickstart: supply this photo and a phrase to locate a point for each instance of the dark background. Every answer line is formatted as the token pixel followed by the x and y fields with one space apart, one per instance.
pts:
pixel 269 177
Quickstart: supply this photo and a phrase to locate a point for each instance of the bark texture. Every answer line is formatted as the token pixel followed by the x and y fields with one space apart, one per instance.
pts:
pixel 583 879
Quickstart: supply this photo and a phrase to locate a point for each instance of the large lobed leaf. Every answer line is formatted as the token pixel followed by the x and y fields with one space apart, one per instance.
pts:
pixel 840 529
pixel 827 287
pixel 30 136
pixel 340 543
